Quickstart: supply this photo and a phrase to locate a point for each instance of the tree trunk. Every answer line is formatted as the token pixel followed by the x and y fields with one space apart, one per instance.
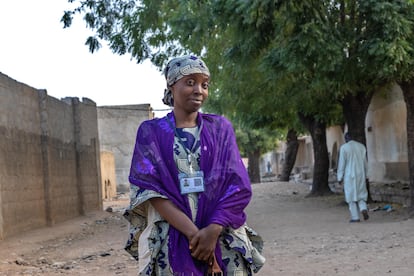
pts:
pixel 355 109
pixel 254 166
pixel 317 130
pixel 408 92
pixel 292 146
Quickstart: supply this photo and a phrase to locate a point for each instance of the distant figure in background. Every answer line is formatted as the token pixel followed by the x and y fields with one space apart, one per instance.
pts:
pixel 269 167
pixel 352 171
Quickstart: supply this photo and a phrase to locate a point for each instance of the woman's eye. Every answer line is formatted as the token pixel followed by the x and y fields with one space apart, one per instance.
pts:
pixel 190 82
pixel 205 85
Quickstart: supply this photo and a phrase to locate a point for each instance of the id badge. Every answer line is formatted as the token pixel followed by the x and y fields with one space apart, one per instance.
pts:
pixel 191 183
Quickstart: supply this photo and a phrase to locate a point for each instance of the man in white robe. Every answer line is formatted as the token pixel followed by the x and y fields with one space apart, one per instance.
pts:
pixel 352 171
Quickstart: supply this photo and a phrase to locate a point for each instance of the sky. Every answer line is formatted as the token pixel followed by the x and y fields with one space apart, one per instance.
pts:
pixel 36 50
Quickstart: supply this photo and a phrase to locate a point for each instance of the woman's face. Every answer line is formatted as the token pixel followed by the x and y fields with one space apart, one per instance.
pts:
pixel 190 92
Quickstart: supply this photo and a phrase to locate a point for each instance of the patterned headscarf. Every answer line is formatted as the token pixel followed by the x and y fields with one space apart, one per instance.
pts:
pixel 179 67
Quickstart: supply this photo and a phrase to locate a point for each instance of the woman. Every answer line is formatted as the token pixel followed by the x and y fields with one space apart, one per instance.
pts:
pixel 189 187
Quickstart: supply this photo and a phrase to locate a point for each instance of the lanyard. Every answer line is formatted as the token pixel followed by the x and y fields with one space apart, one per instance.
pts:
pixel 188 151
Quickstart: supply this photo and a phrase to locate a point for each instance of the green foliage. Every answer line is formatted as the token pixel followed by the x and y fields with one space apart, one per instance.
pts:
pixel 251 140
pixel 135 27
pixel 376 41
pixel 270 59
pixel 390 25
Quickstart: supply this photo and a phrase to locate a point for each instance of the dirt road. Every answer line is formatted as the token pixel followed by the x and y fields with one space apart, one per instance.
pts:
pixel 303 236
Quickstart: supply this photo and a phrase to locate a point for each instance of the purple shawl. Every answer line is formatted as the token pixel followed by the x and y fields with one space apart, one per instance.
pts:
pixel 227 186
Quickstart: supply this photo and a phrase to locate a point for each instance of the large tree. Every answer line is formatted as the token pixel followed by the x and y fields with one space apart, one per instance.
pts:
pixel 364 46
pixel 158 29
pixel 170 26
pixel 395 20
pixel 401 57
pixel 380 39
pixel 288 40
pixel 315 51
pixel 408 91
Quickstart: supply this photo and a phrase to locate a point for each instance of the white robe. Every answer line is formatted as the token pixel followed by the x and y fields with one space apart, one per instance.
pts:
pixel 352 170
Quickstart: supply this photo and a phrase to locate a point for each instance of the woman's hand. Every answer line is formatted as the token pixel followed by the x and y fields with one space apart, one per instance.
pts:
pixel 175 217
pixel 203 243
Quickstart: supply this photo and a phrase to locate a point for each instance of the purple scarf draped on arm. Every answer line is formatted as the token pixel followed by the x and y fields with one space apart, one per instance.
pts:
pixel 227 186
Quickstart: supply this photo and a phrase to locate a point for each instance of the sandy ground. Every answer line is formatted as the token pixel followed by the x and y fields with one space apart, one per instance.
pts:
pixel 303 236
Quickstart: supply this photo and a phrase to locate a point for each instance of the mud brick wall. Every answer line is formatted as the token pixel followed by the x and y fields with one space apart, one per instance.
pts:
pixel 49 158
pixel 118 127
pixel 22 201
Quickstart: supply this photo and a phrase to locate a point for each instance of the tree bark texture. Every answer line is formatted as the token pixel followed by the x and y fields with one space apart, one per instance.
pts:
pixel 292 146
pixel 355 109
pixel 408 92
pixel 317 129
pixel 254 166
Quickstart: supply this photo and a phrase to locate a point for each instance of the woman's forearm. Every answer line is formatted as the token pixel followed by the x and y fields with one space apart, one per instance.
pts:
pixel 175 216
